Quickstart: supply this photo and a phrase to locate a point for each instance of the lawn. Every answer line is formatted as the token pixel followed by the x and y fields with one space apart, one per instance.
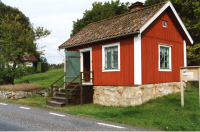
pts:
pixel 164 113
pixel 44 79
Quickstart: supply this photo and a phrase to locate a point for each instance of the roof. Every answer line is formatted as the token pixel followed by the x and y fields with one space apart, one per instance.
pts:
pixel 29 58
pixel 124 24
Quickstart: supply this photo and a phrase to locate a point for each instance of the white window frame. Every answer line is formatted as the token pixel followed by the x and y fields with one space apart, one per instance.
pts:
pixel 103 57
pixel 165 23
pixel 170 60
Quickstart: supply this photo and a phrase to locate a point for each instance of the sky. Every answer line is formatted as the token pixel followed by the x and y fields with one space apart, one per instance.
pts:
pixel 57 16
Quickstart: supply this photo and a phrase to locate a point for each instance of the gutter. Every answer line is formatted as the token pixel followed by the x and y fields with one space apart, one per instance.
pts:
pixel 136 32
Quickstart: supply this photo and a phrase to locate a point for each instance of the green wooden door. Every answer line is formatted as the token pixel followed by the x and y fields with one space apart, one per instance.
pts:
pixel 72 65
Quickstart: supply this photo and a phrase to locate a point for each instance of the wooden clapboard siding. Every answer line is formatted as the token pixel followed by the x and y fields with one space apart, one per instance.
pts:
pixel 153 35
pixel 126 74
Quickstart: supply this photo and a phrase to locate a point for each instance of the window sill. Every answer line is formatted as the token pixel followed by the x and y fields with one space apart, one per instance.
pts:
pixel 165 70
pixel 111 70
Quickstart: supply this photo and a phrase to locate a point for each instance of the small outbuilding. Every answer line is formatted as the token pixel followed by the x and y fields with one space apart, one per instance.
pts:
pixel 135 56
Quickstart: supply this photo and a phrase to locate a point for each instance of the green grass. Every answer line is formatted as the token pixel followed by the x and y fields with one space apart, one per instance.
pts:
pixel 44 79
pixel 164 113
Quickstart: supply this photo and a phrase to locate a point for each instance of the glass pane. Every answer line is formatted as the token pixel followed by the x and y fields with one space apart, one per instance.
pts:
pixel 115 50
pixel 166 65
pixel 166 51
pixel 115 64
pixel 108 66
pixel 108 58
pixel 166 58
pixel 108 54
pixel 115 57
pixel 161 58
pixel 161 65
pixel 161 50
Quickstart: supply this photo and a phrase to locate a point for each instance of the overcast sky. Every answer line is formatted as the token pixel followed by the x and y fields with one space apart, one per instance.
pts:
pixel 57 16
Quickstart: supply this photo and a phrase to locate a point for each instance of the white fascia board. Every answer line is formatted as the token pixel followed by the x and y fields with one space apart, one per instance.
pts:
pixel 137 60
pixel 168 4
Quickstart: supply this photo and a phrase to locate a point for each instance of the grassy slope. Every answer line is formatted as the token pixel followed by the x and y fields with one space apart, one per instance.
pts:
pixel 163 113
pixel 44 79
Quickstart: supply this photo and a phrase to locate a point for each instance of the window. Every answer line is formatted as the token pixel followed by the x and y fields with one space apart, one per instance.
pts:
pixel 164 23
pixel 164 57
pixel 111 57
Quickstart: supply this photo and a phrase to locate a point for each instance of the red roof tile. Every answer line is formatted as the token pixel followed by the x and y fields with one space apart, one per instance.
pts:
pixel 119 25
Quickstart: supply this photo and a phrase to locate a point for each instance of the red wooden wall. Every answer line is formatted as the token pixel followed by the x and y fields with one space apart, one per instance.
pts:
pixel 153 35
pixel 124 77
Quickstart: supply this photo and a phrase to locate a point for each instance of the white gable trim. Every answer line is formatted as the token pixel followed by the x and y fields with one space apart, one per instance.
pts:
pixel 137 60
pixel 168 4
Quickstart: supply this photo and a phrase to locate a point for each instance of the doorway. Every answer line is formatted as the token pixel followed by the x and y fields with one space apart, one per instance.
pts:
pixel 86 64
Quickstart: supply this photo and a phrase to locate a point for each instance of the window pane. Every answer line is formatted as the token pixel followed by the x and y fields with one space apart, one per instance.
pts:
pixel 166 51
pixel 108 54
pixel 161 58
pixel 108 58
pixel 115 64
pixel 108 66
pixel 115 50
pixel 161 65
pixel 166 58
pixel 161 50
pixel 166 65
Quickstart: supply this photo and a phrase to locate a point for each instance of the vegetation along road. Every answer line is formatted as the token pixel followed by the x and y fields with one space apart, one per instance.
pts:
pixel 15 117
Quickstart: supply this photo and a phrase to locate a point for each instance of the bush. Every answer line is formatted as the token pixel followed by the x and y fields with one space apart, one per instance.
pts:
pixel 9 73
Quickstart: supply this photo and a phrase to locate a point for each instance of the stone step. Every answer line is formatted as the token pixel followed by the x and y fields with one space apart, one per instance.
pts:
pixel 55 104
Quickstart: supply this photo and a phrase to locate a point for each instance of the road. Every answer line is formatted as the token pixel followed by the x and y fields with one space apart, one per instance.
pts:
pixel 16 117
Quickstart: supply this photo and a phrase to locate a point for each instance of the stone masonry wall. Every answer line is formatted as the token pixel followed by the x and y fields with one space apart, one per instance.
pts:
pixel 130 95
pixel 22 94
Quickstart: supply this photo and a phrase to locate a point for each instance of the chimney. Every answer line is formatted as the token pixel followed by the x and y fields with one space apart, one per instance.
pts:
pixel 135 6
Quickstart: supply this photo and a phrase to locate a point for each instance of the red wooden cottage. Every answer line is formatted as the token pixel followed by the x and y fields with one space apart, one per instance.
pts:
pixel 135 56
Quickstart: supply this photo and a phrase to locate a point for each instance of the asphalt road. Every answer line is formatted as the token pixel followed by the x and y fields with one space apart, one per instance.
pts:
pixel 15 117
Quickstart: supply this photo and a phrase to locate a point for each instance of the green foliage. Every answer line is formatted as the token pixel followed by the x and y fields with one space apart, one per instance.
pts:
pixel 17 39
pixel 56 66
pixel 30 70
pixel 193 54
pixel 188 11
pixel 44 63
pixel 4 9
pixel 98 12
pixel 8 73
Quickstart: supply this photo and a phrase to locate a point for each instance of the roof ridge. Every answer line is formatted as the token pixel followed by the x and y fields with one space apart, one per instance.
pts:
pixel 127 13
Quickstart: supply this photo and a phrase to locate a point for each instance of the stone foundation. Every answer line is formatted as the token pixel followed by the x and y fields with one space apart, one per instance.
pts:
pixel 131 95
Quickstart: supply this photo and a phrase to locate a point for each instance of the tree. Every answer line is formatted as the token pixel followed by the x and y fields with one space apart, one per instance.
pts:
pixel 44 64
pixel 5 10
pixel 188 11
pixel 98 12
pixel 17 39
